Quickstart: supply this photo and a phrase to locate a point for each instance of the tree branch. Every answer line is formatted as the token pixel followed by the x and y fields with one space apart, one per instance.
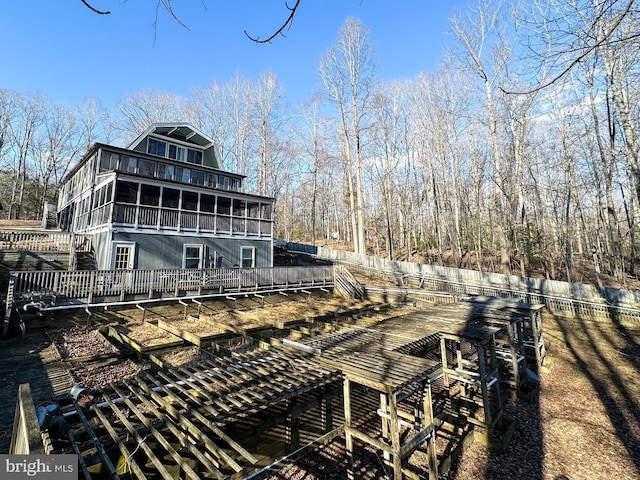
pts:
pixel 606 37
pixel 287 24
pixel 90 7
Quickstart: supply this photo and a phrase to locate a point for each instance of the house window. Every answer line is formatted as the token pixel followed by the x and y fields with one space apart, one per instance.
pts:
pixel 224 206
pixel 194 156
pixel 253 210
pixel 156 147
pixel 248 257
pixel 266 211
pixel 177 153
pixel 189 201
pixel 126 192
pixel 108 161
pixel 170 197
pixel 166 172
pixel 192 256
pixel 147 168
pixel 207 203
pixel 149 195
pixel 128 164
pixel 239 208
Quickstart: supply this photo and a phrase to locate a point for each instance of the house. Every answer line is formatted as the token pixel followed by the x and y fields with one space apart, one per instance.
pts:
pixel 164 202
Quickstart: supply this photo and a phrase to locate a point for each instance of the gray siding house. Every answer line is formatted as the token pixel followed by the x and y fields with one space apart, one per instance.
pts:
pixel 163 202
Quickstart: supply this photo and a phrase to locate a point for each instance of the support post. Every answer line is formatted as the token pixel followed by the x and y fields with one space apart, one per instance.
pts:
pixel 395 436
pixel 346 385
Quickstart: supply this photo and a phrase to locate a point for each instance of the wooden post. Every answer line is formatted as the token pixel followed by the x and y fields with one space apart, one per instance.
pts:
pixel 483 384
pixel 385 423
pixel 395 436
pixel 427 419
pixel 346 385
pixel 291 428
pixel 326 412
pixel 8 307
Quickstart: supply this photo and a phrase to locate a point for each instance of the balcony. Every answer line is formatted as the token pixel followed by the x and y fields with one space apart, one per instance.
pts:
pixel 157 218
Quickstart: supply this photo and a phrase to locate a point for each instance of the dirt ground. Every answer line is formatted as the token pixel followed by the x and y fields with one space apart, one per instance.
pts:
pixel 586 424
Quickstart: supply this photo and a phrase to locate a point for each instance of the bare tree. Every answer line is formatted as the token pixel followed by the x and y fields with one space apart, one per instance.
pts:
pixel 142 108
pixel 347 72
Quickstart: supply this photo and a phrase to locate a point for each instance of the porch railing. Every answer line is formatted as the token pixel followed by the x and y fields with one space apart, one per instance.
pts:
pixel 139 216
pixel 103 286
pixel 63 242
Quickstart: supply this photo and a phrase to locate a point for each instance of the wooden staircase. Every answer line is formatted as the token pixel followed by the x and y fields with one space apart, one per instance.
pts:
pixel 347 285
pixel 85 261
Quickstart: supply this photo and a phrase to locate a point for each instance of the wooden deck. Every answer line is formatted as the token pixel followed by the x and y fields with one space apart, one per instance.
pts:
pixel 201 419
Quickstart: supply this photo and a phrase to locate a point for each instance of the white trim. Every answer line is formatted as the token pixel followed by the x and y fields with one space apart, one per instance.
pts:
pixel 253 256
pixel 200 247
pixel 132 253
pixel 152 128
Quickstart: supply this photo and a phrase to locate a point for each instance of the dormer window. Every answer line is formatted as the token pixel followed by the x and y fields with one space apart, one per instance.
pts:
pixel 156 147
pixel 194 156
pixel 175 152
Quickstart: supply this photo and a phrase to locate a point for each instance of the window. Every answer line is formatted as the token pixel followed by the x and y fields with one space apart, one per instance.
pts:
pixel 194 156
pixel 147 168
pixel 189 201
pixel 192 256
pixel 166 172
pixel 224 206
pixel 108 161
pixel 266 211
pixel 128 164
pixel 207 203
pixel 177 153
pixel 126 192
pixel 186 175
pixel 248 257
pixel 253 210
pixel 170 197
pixel 198 177
pixel 238 208
pixel 156 147
pixel 149 195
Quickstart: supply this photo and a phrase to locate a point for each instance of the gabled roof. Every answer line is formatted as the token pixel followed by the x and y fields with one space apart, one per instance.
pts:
pixel 178 130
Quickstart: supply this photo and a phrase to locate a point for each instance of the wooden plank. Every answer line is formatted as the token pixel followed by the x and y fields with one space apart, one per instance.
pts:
pixel 176 432
pixel 96 442
pixel 141 441
pixel 130 461
pixel 191 428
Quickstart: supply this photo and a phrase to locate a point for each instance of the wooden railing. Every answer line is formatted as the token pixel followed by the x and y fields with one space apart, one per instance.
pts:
pixel 43 241
pixel 25 437
pixel 165 218
pixel 104 286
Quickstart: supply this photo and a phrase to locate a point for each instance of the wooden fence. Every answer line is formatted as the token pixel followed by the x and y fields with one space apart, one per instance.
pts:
pixel 64 242
pixel 613 304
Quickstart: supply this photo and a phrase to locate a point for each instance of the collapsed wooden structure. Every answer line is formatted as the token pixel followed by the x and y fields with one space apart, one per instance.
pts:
pixel 422 367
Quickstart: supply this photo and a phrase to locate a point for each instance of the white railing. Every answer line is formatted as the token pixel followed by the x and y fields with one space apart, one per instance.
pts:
pixel 96 286
pixel 43 241
pixel 164 218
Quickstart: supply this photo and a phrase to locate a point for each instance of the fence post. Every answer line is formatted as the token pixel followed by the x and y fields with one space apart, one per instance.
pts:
pixel 8 307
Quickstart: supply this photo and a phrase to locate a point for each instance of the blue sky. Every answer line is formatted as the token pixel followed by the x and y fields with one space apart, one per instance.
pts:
pixel 67 52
